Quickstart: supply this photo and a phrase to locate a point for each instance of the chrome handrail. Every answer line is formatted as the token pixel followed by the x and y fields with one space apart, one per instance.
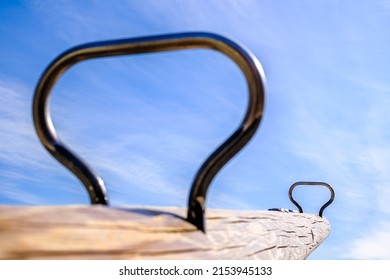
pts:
pixel 96 189
pixel 332 194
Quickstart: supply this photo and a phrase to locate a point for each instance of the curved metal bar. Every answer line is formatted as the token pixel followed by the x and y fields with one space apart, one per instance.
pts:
pixel 246 61
pixel 311 184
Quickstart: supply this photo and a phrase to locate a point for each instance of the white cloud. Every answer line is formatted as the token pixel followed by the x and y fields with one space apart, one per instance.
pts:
pixel 22 156
pixel 375 245
pixel 20 144
pixel 16 193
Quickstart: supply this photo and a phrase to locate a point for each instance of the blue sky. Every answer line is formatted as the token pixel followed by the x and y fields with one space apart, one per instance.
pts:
pixel 145 123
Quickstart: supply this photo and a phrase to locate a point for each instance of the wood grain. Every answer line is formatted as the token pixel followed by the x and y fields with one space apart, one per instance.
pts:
pixel 99 232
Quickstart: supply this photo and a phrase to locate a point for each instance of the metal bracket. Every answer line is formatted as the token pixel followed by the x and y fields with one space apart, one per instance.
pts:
pixel 311 184
pixel 94 185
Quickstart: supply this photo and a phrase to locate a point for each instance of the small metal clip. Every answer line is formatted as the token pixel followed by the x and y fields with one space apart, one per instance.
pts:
pixel 283 210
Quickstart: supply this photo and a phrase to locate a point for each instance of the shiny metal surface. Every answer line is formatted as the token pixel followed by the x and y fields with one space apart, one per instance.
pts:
pixel 246 61
pixel 332 194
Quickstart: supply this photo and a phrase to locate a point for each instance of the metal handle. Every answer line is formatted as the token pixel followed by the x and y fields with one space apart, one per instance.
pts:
pixel 246 61
pixel 311 184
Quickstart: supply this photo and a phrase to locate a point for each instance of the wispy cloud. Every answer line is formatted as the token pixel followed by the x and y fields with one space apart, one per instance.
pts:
pixel 19 143
pixel 374 245
pixel 22 157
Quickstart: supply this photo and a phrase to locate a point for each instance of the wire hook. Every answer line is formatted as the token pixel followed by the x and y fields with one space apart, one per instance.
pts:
pixel 311 184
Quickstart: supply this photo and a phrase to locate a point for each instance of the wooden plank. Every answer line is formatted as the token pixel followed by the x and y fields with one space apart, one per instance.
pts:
pixel 99 232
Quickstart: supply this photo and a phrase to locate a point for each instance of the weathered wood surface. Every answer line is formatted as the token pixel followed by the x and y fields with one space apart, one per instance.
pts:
pixel 98 232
